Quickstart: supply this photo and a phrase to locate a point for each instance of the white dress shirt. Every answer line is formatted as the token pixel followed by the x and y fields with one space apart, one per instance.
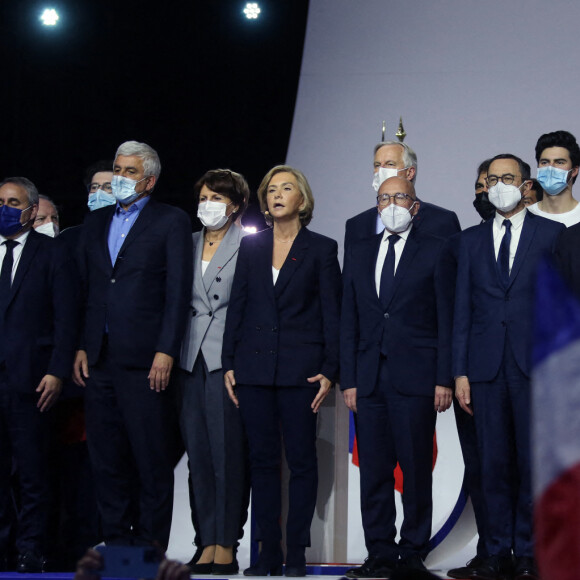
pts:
pixel 517 222
pixel 16 252
pixel 383 248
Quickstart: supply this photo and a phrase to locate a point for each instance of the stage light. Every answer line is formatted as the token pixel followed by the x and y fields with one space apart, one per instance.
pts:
pixel 252 10
pixel 49 17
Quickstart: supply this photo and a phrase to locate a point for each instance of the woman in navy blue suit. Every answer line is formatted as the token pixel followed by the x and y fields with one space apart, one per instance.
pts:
pixel 280 352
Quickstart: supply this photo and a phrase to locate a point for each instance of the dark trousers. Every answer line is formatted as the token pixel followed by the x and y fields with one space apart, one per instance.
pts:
pixel 129 436
pixel 264 411
pixel 501 409
pixel 472 479
pixel 215 442
pixel 23 432
pixel 392 428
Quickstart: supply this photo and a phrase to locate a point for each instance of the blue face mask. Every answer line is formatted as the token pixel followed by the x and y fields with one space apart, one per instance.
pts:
pixel 124 189
pixel 100 199
pixel 552 179
pixel 10 220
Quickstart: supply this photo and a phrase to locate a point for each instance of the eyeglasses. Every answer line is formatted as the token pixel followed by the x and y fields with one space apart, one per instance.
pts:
pixel 399 198
pixel 507 178
pixel 104 186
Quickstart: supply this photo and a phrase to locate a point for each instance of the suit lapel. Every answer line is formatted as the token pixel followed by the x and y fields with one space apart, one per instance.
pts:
pixel 293 260
pixel 26 258
pixel 225 252
pixel 198 286
pixel 144 219
pixel 528 230
pixel 106 217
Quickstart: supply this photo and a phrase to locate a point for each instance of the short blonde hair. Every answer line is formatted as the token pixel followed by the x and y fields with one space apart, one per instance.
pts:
pixel 303 186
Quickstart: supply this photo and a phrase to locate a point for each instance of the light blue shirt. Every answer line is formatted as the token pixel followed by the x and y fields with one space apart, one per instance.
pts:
pixel 121 224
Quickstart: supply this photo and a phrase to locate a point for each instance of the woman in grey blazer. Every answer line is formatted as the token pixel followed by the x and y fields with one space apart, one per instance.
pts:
pixel 210 423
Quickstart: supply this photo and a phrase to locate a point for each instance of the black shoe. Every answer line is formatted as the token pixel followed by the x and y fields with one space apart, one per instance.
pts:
pixel 226 569
pixel 412 562
pixel 295 561
pixel 30 562
pixel 269 563
pixel 206 568
pixel 494 568
pixel 196 556
pixel 467 570
pixel 372 568
pixel 526 569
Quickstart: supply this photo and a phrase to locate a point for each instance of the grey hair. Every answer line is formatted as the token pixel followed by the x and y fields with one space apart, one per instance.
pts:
pixel 46 198
pixel 409 156
pixel 151 162
pixel 27 185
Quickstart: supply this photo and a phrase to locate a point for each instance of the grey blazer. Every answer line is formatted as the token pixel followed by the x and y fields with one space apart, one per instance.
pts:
pixel 209 301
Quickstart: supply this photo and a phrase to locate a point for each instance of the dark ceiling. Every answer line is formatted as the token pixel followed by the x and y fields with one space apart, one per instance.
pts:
pixel 196 80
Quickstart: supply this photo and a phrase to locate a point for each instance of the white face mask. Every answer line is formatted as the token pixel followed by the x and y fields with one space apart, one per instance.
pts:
pixel 49 229
pixel 383 174
pixel 504 197
pixel 396 218
pixel 124 189
pixel 212 214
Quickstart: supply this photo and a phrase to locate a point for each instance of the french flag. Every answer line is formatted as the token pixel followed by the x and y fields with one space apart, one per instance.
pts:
pixel 556 427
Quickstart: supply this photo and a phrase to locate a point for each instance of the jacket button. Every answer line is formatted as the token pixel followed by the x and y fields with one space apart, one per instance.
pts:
pixel 218 279
pixel 215 297
pixel 275 329
pixel 210 313
pixel 272 352
pixel 386 315
pixel 258 328
pixel 113 280
pixel 257 352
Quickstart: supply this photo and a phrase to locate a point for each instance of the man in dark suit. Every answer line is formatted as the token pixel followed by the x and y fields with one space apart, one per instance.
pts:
pixel 493 330
pixel 136 267
pixel 38 300
pixel 392 158
pixel 396 372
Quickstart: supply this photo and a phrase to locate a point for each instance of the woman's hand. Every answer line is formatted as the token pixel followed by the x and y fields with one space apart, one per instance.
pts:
pixel 325 385
pixel 230 383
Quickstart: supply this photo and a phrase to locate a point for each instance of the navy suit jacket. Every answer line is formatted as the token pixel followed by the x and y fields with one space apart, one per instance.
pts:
pixel 430 218
pixel 144 298
pixel 282 334
pixel 486 313
pixel 40 326
pixel 417 320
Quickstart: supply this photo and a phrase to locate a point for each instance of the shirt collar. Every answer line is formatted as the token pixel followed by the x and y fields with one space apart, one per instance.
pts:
pixel 137 206
pixel 403 235
pixel 516 220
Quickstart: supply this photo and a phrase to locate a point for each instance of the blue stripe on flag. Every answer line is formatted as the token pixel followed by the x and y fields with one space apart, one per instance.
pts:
pixel 557 313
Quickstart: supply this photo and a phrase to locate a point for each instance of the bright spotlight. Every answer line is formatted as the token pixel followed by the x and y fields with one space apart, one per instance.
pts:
pixel 252 10
pixel 49 17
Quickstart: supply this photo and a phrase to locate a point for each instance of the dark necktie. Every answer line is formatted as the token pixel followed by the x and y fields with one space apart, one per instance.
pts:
pixel 388 271
pixel 503 257
pixel 5 283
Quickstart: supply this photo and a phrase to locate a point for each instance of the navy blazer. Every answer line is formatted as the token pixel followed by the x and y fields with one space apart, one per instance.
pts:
pixel 40 326
pixel 486 313
pixel 144 298
pixel 417 320
pixel 282 334
pixel 430 218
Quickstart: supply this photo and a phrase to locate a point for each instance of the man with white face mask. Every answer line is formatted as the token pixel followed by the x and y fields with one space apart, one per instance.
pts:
pixel 558 158
pixel 395 159
pixel 46 221
pixel 492 340
pixel 396 372
pixel 136 267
